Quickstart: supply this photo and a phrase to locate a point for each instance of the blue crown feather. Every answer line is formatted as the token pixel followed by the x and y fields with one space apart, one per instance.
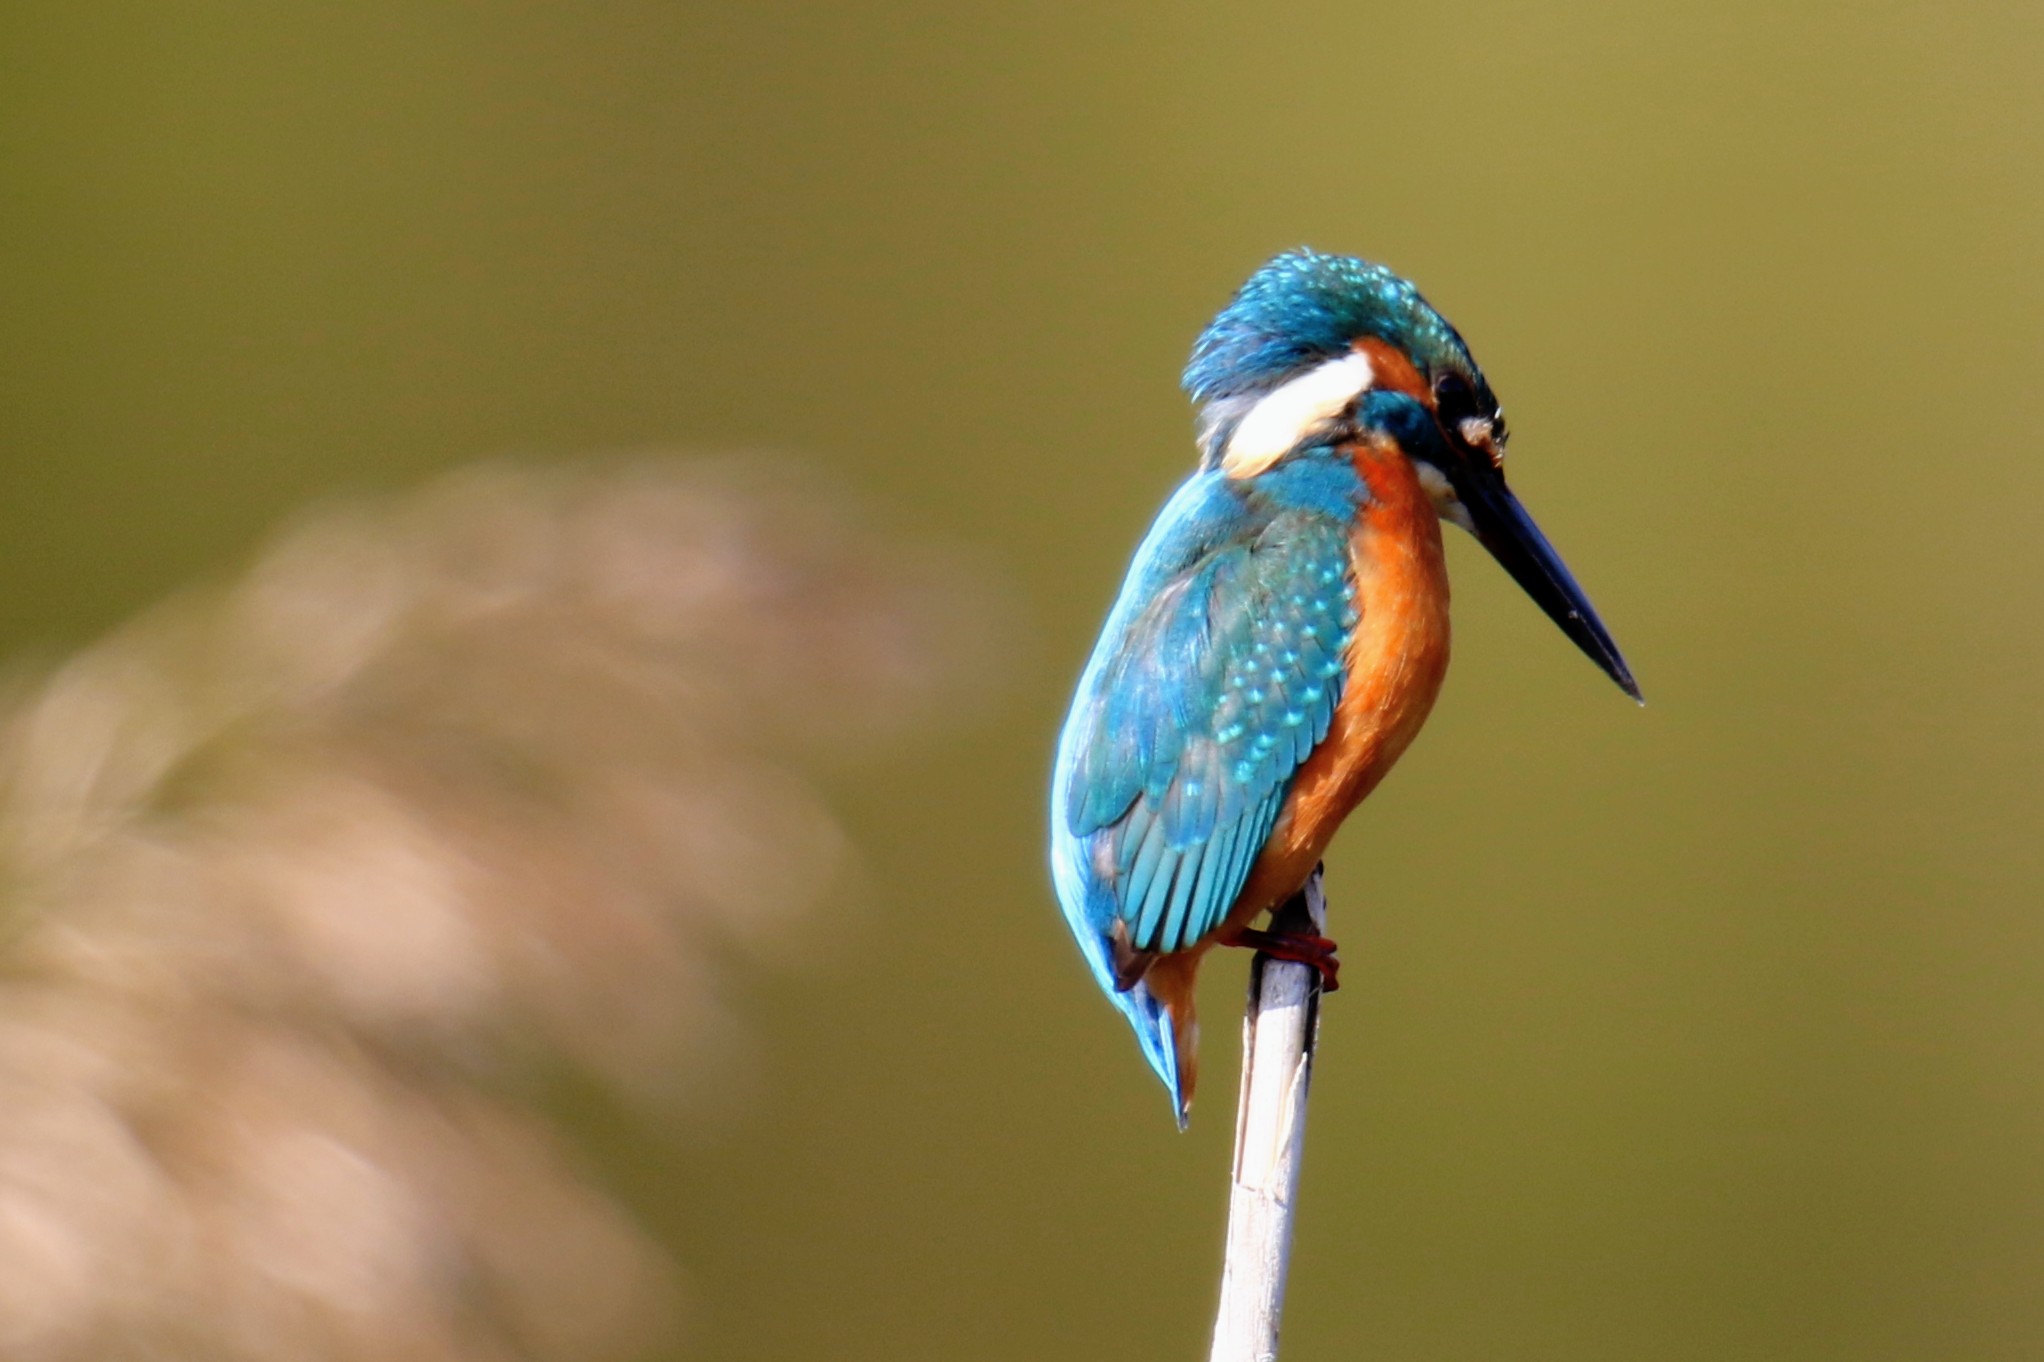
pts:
pixel 1303 308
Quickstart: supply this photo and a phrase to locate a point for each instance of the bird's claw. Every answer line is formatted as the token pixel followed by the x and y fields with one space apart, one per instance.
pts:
pixel 1317 951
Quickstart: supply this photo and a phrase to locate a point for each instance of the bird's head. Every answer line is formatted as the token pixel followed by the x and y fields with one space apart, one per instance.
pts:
pixel 1317 350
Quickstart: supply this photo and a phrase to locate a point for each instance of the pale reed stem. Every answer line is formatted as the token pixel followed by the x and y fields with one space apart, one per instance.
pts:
pixel 1279 1031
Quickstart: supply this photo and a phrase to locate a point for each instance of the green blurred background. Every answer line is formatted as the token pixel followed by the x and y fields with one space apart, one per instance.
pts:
pixel 1710 1030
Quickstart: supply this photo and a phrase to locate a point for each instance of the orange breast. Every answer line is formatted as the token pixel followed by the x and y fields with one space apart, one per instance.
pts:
pixel 1396 661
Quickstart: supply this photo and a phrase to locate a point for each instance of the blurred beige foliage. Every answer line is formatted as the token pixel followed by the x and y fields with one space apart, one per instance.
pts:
pixel 305 878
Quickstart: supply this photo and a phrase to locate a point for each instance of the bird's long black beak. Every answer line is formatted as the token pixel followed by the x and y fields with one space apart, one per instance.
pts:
pixel 1501 525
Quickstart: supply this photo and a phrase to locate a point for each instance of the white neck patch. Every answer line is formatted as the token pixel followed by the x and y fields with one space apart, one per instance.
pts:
pixel 1441 492
pixel 1293 410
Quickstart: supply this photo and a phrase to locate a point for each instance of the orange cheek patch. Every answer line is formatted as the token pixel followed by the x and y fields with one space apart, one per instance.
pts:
pixel 1393 369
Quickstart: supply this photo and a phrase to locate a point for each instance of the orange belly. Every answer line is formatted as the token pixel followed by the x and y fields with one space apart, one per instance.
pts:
pixel 1396 661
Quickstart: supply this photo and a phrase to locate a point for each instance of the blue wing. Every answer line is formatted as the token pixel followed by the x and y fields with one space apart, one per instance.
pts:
pixel 1216 675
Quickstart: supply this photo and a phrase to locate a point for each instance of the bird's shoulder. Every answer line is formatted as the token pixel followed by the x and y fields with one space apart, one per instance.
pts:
pixel 1212 513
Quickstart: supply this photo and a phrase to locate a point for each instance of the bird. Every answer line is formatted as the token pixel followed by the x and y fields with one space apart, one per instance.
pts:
pixel 1282 631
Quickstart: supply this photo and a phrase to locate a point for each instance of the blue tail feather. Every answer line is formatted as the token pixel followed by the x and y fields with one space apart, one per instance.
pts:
pixel 1152 1025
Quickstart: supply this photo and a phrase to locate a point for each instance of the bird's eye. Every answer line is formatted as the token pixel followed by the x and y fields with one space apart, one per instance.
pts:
pixel 1453 399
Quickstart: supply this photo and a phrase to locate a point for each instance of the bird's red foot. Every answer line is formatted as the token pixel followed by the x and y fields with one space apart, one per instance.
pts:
pixel 1317 951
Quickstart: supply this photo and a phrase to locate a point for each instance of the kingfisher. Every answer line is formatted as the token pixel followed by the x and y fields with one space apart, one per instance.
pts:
pixel 1282 632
